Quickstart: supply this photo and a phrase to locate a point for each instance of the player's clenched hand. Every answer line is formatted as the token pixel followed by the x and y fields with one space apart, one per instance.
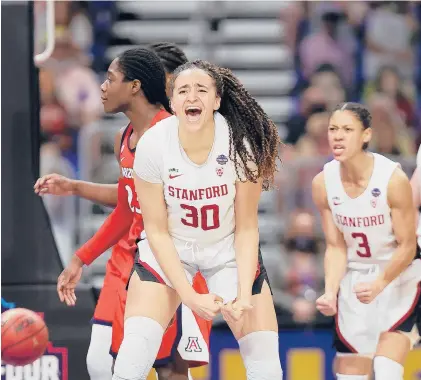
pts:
pixel 67 281
pixel 234 311
pixel 326 304
pixel 206 306
pixel 55 184
pixel 368 291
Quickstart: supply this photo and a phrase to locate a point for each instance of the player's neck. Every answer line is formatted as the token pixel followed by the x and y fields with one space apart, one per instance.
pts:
pixel 358 168
pixel 198 140
pixel 141 116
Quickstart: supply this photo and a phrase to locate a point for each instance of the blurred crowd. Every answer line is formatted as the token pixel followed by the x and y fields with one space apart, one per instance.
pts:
pixel 342 50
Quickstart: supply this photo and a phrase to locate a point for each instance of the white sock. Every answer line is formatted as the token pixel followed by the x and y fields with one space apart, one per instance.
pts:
pixel 142 339
pixel 387 369
pixel 260 353
pixel 339 376
pixel 98 360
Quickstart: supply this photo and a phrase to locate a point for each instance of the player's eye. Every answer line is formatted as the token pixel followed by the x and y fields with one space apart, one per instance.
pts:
pixel 202 90
pixel 182 91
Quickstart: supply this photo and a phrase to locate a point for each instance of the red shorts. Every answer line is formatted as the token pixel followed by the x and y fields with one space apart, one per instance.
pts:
pixel 117 271
pixel 188 334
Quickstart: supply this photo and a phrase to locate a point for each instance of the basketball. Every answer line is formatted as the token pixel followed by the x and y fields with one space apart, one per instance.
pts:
pixel 24 336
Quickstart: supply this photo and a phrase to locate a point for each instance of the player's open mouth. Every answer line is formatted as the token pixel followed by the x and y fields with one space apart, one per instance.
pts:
pixel 338 149
pixel 193 113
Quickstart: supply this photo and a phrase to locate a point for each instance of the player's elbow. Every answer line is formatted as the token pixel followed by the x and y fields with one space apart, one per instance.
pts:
pixel 408 247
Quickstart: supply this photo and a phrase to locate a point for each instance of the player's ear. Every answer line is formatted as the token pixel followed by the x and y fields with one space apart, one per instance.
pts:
pixel 367 135
pixel 136 86
pixel 217 103
pixel 172 108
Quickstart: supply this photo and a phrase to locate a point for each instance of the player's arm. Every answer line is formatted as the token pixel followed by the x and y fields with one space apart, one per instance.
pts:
pixel 416 193
pixel 335 261
pixel 114 227
pixel 152 203
pixel 150 193
pixel 399 194
pixel 246 235
pixel 104 194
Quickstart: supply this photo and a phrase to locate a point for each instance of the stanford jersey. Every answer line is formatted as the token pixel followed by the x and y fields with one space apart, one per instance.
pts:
pixel 365 221
pixel 126 164
pixel 199 198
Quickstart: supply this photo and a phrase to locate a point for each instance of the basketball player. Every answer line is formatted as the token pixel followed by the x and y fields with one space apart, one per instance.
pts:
pixel 112 298
pixel 198 177
pixel 372 284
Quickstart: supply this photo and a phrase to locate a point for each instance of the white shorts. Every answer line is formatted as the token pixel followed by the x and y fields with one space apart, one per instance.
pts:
pixel 221 280
pixel 359 325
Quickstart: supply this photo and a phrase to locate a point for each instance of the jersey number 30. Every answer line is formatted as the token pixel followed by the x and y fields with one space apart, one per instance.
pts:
pixel 207 217
pixel 364 250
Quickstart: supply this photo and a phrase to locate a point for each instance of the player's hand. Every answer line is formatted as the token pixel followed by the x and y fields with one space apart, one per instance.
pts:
pixel 366 292
pixel 326 304
pixel 234 311
pixel 67 281
pixel 206 306
pixel 54 184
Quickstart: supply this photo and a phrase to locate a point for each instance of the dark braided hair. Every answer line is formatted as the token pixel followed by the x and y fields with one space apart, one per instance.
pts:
pixel 253 135
pixel 360 111
pixel 170 55
pixel 145 66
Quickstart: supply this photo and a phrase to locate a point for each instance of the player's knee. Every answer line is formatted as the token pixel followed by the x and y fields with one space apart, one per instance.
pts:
pixel 387 369
pixel 142 338
pixel 260 353
pixel 98 359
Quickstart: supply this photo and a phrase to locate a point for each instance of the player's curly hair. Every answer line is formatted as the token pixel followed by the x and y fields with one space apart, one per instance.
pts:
pixel 253 135
pixel 145 66
pixel 170 55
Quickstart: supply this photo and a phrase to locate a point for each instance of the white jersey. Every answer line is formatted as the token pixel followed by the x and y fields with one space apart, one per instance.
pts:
pixel 365 221
pixel 199 198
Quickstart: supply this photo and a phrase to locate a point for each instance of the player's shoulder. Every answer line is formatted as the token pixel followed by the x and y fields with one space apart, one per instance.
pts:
pixel 318 182
pixel 161 129
pixel 318 189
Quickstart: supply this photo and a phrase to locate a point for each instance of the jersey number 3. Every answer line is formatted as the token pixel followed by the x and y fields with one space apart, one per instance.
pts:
pixel 207 220
pixel 364 250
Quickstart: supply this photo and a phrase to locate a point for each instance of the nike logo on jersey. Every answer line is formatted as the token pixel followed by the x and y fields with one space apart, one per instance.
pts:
pixel 336 201
pixel 122 158
pixel 172 176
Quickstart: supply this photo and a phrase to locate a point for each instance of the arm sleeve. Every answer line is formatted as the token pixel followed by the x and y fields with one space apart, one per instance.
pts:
pixel 148 159
pixel 112 230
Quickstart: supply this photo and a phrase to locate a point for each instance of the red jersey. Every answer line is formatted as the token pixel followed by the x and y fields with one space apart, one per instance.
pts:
pixel 126 166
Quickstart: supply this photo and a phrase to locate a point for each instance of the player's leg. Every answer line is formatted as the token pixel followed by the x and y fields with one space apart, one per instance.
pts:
pixel 392 351
pixel 258 333
pixel 355 340
pixel 395 344
pixel 175 368
pixel 98 359
pixel 150 307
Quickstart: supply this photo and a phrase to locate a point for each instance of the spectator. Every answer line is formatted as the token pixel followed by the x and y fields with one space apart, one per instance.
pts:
pixel 389 30
pixel 327 79
pixel 389 82
pixel 390 135
pixel 314 142
pixel 329 46
pixel 312 101
pixel 299 277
